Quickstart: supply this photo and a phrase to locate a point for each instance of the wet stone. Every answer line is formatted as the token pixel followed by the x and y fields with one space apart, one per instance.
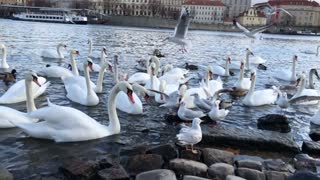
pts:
pixel 274 122
pixel 5 174
pixel 158 174
pixel 220 170
pixel 187 154
pixel 303 175
pixel 131 151
pixel 315 135
pixel 188 177
pixel 141 163
pixel 113 173
pixel 188 167
pixel 250 174
pixel 311 147
pixel 275 175
pixel 78 169
pixel 277 165
pixel 167 151
pixel 248 163
pixel 211 156
pixel 305 162
pixel 231 177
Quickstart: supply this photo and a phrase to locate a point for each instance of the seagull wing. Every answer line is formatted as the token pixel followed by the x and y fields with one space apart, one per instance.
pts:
pixel 287 12
pixel 181 28
pixel 258 30
pixel 242 28
pixel 166 96
pixel 304 99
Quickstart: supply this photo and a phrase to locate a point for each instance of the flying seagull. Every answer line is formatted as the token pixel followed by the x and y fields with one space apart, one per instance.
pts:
pixel 181 30
pixel 273 10
pixel 252 33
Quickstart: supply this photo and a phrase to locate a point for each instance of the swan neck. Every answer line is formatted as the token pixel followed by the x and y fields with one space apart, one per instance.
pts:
pixel 102 57
pixel 87 76
pixel 114 124
pixel 90 48
pixel 252 87
pixel 241 74
pixel 74 65
pixel 311 79
pixel 59 51
pixel 30 101
pixel 116 73
pixel 100 80
pixel 318 50
pixel 293 70
pixel 4 58
pixel 227 69
pixel 247 61
pixel 148 68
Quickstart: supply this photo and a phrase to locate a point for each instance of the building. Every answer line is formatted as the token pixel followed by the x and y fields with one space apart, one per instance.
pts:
pixel 206 11
pixel 252 17
pixel 235 7
pixel 13 2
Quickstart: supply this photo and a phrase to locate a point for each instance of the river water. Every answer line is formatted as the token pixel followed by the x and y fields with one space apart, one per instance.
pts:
pixel 25 41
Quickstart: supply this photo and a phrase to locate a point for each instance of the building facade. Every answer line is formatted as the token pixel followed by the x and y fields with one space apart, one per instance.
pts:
pixel 206 11
pixel 235 7
pixel 252 17
pixel 13 2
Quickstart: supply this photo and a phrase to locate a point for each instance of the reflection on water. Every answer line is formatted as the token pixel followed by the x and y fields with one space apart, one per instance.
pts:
pixel 26 40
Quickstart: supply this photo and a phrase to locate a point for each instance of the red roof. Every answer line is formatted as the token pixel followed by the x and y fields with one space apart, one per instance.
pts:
pixel 294 2
pixel 203 3
pixel 259 13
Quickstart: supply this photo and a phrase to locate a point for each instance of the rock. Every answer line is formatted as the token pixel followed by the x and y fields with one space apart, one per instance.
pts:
pixel 193 178
pixel 78 169
pixel 167 151
pixel 303 175
pixel 187 154
pixel 146 162
pixel 5 174
pixel 158 174
pixel 305 162
pixel 131 151
pixel 274 122
pixel 251 164
pixel 315 135
pixel 188 167
pixel 277 165
pixel 113 173
pixel 231 177
pixel 250 174
pixel 311 147
pixel 275 175
pixel 248 139
pixel 211 156
pixel 220 170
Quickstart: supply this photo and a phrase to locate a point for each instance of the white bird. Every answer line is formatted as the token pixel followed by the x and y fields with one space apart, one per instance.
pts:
pixel 54 54
pixel 308 51
pixel 302 91
pixel 96 67
pixel 153 83
pixel 243 84
pixel 99 83
pixel 222 71
pixel 181 30
pixel 288 75
pixel 4 64
pixel 173 99
pixel 252 33
pixel 212 85
pixel 216 113
pixel 95 54
pixel 259 97
pixel 201 103
pixel 191 135
pixel 186 114
pixel 142 78
pixel 9 115
pixel 66 124
pixel 270 10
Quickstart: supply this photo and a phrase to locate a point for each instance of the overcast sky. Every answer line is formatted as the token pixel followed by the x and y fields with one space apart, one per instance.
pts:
pixel 257 1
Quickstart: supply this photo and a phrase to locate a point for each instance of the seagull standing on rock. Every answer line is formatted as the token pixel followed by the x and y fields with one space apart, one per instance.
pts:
pixel 191 135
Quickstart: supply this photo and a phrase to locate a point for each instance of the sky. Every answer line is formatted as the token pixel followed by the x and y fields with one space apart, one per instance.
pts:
pixel 258 1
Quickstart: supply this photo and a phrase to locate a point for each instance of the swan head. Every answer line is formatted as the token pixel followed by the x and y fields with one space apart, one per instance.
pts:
pixel 62 45
pixel 210 72
pixel 2 46
pixel 89 41
pixel 295 58
pixel 301 78
pixel 73 51
pixel 88 63
pixel 316 73
pixel 242 65
pixel 126 88
pixel 116 59
pixel 229 60
pixel 106 64
pixel 104 50
pixel 249 52
pixel 141 90
pixel 32 76
pixel 253 75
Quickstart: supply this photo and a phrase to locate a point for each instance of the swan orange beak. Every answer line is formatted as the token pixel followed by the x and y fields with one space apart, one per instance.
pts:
pixel 35 80
pixel 297 82
pixel 130 95
pixel 229 60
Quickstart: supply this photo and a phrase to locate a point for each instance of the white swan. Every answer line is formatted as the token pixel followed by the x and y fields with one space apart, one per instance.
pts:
pixel 243 84
pixel 17 92
pixel 153 83
pixel 186 114
pixel 302 91
pixel 77 92
pixel 222 71
pixel 142 78
pixel 96 67
pixel 315 119
pixel 287 75
pixel 212 85
pixel 216 113
pixel 9 115
pixel 260 97
pixel 4 64
pixel 66 124
pixel 308 51
pixel 103 67
pixel 174 75
pixel 54 54
pixel 191 135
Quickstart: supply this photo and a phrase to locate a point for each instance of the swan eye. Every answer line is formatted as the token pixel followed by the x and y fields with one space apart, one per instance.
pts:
pixel 34 78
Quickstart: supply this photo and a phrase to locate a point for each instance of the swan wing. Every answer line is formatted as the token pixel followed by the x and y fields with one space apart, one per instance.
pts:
pixel 55 72
pixel 302 99
pixel 76 93
pixel 8 116
pixel 264 97
pixel 139 78
pixel 50 53
pixel 242 28
pixel 181 28
pixel 124 104
pixel 218 70
pixel 258 30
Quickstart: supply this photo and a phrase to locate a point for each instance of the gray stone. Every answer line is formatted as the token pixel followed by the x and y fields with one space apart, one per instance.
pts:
pixel 275 175
pixel 167 151
pixel 231 177
pixel 277 165
pixel 78 169
pixel 5 174
pixel 113 173
pixel 250 139
pixel 135 150
pixel 251 164
pixel 305 162
pixel 211 156
pixel 311 147
pixel 141 163
pixel 193 178
pixel 250 174
pixel 188 167
pixel 221 170
pixel 158 174
pixel 274 122
pixel 303 175
pixel 187 154
pixel 315 135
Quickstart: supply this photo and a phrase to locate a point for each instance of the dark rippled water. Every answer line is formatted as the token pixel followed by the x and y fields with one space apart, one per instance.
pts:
pixel 26 40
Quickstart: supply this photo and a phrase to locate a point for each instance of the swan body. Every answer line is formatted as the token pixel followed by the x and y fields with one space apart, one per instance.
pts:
pixel 201 103
pixel 191 135
pixel 4 64
pixel 222 71
pixel 55 72
pixel 54 54
pixel 302 91
pixel 212 85
pixel 259 97
pixel 287 75
pixel 143 78
pixel 97 67
pixel 216 113
pixel 66 124
pixel 186 114
pixel 243 84
pixel 315 119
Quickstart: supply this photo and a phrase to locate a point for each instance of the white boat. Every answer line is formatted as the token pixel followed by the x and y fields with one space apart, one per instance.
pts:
pixel 54 18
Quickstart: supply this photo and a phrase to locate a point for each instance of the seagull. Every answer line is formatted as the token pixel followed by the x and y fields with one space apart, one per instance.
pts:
pixel 188 114
pixel 191 135
pixel 216 113
pixel 181 30
pixel 252 33
pixel 273 10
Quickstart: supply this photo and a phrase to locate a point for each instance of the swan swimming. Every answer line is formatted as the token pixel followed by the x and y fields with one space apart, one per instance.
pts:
pixel 52 54
pixel 287 75
pixel 4 64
